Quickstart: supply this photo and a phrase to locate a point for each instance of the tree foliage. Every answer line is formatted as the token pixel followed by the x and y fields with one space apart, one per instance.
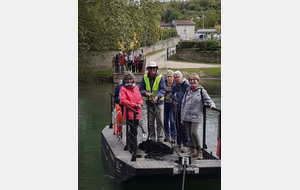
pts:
pixel 173 16
pixel 193 9
pixel 105 25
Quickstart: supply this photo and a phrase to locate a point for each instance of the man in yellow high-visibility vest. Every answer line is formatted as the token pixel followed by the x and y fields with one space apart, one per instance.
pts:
pixel 152 86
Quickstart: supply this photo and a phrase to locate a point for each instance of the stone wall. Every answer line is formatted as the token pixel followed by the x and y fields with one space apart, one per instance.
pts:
pixel 193 54
pixel 104 61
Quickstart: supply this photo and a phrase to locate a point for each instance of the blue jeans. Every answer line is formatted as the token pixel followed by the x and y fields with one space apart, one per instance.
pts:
pixel 168 116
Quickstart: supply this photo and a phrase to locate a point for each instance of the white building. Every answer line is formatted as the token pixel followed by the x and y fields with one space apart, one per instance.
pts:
pixel 185 28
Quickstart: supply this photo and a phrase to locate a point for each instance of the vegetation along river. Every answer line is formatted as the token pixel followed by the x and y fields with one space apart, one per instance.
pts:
pixel 94 114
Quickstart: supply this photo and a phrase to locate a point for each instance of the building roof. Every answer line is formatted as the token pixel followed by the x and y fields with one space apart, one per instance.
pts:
pixel 218 26
pixel 166 24
pixel 183 22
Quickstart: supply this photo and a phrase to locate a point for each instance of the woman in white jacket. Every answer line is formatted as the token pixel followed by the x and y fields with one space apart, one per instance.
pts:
pixel 191 112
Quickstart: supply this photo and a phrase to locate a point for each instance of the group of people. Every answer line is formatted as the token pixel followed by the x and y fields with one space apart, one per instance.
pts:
pixel 171 100
pixel 128 62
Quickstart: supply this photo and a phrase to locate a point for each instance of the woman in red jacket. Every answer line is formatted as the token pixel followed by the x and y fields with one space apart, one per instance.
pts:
pixel 131 97
pixel 135 62
pixel 123 62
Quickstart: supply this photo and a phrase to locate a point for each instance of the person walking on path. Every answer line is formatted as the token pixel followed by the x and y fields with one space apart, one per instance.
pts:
pixel 140 62
pixel 152 86
pixel 178 89
pixel 168 109
pixel 131 97
pixel 129 62
pixel 135 62
pixel 123 62
pixel 191 112
pixel 118 62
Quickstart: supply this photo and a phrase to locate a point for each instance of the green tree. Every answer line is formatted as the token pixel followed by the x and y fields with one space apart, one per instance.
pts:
pixel 173 16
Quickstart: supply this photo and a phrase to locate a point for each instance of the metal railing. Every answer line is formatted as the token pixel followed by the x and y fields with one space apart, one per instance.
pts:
pixel 204 127
pixel 131 138
pixel 131 133
pixel 111 109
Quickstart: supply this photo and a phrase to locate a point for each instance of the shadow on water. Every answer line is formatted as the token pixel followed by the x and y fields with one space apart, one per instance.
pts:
pixel 93 170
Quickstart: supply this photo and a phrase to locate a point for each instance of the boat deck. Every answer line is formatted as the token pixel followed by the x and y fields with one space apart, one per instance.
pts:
pixel 123 168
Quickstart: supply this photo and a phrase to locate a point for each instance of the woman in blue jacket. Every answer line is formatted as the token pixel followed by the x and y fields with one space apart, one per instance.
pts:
pixel 178 89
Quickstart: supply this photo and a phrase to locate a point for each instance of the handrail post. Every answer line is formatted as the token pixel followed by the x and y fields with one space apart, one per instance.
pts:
pixel 111 110
pixel 148 120
pixel 219 130
pixel 204 128
pixel 127 140
pixel 134 128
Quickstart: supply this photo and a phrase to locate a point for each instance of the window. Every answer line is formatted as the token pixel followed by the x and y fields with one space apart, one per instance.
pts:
pixel 184 31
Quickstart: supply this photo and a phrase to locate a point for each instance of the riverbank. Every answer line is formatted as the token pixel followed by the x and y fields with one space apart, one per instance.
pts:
pixel 204 70
pixel 211 73
pixel 204 73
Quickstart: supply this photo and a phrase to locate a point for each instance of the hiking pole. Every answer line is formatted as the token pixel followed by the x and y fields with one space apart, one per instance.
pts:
pixel 148 110
pixel 155 108
pixel 144 133
pixel 176 114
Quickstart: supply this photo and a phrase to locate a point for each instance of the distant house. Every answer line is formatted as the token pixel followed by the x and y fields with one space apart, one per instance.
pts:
pixel 218 26
pixel 166 25
pixel 185 28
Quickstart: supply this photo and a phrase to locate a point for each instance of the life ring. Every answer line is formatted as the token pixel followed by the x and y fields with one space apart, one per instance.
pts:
pixel 218 147
pixel 118 122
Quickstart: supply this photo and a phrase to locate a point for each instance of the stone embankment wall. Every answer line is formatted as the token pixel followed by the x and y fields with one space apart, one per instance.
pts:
pixel 193 54
pixel 104 61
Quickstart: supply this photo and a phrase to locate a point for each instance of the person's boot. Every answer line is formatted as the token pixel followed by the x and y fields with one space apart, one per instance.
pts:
pixel 193 153
pixel 199 155
pixel 138 153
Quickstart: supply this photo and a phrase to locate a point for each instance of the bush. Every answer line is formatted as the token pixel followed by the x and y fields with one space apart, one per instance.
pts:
pixel 208 45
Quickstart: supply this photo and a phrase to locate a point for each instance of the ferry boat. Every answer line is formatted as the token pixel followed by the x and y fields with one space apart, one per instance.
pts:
pixel 125 164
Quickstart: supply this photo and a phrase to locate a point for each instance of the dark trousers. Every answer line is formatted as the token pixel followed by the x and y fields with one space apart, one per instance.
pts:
pixel 129 65
pixel 182 133
pixel 134 69
pixel 117 70
pixel 140 66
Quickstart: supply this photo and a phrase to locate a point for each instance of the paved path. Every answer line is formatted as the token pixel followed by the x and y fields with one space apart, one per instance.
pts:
pixel 160 60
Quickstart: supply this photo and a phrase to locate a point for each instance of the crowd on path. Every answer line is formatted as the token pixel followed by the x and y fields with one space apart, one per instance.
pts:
pixel 175 106
pixel 128 62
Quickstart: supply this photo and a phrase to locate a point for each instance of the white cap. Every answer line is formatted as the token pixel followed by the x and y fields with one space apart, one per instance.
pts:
pixel 152 64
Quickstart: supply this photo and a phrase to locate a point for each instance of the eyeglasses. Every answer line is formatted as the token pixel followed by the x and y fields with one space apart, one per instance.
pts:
pixel 129 79
pixel 151 68
pixel 193 80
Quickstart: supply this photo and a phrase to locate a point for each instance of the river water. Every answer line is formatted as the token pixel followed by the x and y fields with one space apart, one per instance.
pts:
pixel 94 114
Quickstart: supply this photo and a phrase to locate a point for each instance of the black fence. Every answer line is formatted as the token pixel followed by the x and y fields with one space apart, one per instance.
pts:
pixel 219 129
pixel 131 129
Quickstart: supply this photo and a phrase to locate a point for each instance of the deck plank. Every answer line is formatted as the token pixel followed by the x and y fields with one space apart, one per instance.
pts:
pixel 170 161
